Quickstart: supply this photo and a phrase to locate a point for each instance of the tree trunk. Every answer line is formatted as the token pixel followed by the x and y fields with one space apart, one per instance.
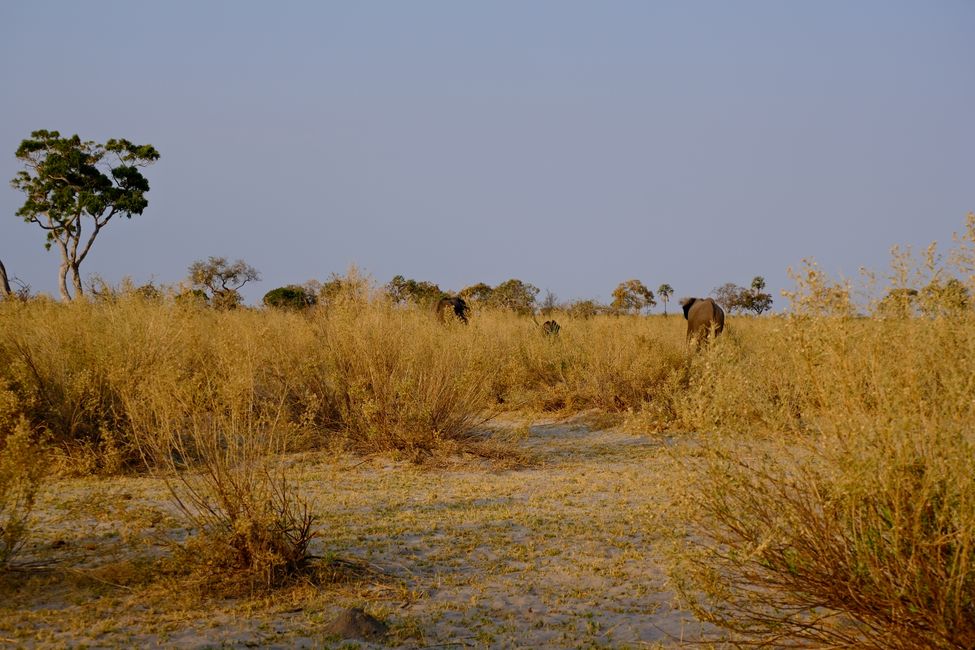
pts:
pixel 4 284
pixel 63 282
pixel 76 279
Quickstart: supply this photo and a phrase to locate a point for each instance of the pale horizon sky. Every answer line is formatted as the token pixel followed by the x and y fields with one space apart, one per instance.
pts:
pixel 572 145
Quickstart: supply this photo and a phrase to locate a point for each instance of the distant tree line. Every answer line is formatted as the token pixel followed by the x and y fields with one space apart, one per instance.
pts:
pixel 741 299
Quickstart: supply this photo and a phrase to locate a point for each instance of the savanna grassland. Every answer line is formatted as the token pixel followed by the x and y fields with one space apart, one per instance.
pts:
pixel 174 474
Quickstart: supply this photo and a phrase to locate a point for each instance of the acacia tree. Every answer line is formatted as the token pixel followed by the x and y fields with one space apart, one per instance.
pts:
pixel 631 296
pixel 665 291
pixel 69 182
pixel 222 280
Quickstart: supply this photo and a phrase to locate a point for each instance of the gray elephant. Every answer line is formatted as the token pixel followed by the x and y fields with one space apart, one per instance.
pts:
pixel 702 315
pixel 452 304
pixel 4 284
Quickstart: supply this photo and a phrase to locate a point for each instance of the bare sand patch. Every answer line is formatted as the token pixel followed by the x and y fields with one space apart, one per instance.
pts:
pixel 562 554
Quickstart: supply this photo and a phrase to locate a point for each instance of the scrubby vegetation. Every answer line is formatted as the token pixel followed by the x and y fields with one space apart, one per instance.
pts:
pixel 831 500
pixel 834 501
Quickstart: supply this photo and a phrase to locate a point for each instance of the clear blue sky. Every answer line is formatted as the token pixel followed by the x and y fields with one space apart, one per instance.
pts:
pixel 568 144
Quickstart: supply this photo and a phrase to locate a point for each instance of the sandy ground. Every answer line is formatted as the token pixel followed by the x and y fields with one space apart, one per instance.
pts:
pixel 564 554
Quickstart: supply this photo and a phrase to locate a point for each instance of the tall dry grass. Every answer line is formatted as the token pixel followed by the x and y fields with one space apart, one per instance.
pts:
pixel 360 371
pixel 216 429
pixel 831 504
pixel 400 380
pixel 833 500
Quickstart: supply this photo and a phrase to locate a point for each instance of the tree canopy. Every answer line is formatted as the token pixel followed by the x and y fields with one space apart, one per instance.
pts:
pixel 293 297
pixel 631 296
pixel 665 291
pixel 479 293
pixel 420 292
pixel 221 280
pixel 69 182
pixel 515 295
pixel 739 299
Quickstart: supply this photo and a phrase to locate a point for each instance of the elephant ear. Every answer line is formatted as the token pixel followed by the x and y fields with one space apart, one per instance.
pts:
pixel 687 305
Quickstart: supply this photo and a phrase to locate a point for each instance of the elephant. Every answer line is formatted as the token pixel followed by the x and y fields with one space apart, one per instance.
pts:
pixel 551 328
pixel 452 303
pixel 5 291
pixel 702 314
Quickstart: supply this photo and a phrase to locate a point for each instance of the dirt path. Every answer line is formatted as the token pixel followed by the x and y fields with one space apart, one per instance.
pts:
pixel 564 554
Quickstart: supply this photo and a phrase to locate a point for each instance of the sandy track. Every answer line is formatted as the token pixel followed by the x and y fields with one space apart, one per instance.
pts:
pixel 563 554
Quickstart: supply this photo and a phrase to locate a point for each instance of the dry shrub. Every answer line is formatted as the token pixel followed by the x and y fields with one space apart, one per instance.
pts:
pixel 213 414
pixel 58 360
pixel 856 537
pixel 22 469
pixel 833 503
pixel 401 380
pixel 215 427
pixel 745 380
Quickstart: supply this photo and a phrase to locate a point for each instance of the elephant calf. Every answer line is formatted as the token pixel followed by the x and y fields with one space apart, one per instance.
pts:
pixel 456 304
pixel 702 314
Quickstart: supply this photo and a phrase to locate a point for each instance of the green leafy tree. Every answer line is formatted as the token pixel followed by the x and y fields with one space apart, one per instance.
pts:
pixel 292 297
pixel 221 280
pixel 515 295
pixel 665 291
pixel 420 292
pixel 755 298
pixel 70 183
pixel 631 296
pixel 477 294
pixel 944 298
